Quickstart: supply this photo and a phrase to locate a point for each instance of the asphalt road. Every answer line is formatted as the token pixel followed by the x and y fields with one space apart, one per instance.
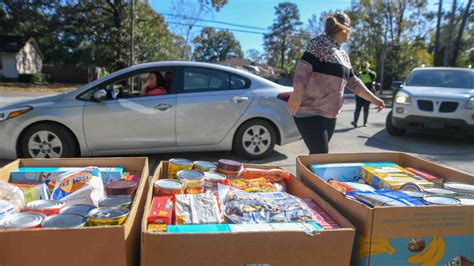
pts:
pixel 454 152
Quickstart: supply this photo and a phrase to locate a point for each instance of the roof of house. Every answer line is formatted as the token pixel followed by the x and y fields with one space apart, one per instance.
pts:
pixel 13 44
pixel 235 62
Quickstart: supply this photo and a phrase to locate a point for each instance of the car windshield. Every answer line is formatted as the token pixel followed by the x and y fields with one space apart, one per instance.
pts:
pixel 462 79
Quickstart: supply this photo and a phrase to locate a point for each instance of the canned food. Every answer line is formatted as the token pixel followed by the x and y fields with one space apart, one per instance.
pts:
pixel 6 208
pixel 168 187
pixel 416 194
pixel 121 187
pixel 81 209
pixel 176 165
pixel 48 207
pixel 65 220
pixel 122 201
pixel 212 179
pixel 193 181
pixel 440 192
pixel 26 220
pixel 437 200
pixel 204 166
pixel 463 190
pixel 108 216
pixel 466 201
pixel 410 187
pixel 229 168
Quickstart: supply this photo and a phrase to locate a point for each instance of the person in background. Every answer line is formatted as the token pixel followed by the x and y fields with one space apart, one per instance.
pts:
pixel 154 85
pixel 319 81
pixel 367 76
pixel 168 80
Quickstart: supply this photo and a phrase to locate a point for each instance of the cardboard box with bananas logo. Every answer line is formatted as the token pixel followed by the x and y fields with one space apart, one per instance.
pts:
pixel 418 235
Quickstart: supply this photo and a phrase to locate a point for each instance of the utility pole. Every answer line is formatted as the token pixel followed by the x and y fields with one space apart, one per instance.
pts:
pixel 438 25
pixel 132 18
pixel 448 38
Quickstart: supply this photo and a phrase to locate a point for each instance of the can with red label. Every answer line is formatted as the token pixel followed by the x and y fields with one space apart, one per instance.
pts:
pixel 25 220
pixel 193 181
pixel 168 187
pixel 47 207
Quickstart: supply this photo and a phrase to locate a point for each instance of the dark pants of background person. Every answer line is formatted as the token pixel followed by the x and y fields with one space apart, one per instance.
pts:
pixel 360 102
pixel 316 132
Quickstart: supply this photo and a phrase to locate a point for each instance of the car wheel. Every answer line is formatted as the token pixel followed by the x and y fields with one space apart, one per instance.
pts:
pixel 47 140
pixel 255 140
pixel 391 129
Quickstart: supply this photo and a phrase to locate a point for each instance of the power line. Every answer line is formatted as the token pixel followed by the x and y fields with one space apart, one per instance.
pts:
pixel 215 21
pixel 219 28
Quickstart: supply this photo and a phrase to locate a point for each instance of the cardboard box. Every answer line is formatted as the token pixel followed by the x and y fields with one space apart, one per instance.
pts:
pixel 104 245
pixel 331 247
pixel 384 234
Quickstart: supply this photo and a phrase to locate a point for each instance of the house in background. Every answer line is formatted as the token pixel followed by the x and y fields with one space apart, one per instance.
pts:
pixel 19 55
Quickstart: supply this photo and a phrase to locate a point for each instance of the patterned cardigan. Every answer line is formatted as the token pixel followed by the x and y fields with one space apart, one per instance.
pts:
pixel 325 70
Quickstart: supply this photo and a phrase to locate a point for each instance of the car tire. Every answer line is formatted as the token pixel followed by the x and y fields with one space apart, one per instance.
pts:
pixel 48 140
pixel 255 139
pixel 391 129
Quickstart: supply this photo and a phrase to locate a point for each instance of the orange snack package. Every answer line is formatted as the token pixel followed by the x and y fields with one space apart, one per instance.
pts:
pixel 272 175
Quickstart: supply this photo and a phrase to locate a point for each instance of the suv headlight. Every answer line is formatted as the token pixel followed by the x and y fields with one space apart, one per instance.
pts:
pixel 14 112
pixel 402 98
pixel 470 104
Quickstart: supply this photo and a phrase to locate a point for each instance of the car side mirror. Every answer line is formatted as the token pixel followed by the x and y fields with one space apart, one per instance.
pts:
pixel 100 95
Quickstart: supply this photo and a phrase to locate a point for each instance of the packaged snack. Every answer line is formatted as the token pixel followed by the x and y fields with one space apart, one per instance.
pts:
pixel 51 174
pixel 390 177
pixel 272 175
pixel 343 172
pixel 437 181
pixel 280 186
pixel 320 216
pixel 157 228
pixel 340 186
pixel 68 184
pixel 253 185
pixel 385 198
pixel 197 209
pixel 161 211
pixel 12 194
pixel 33 191
pixel 359 186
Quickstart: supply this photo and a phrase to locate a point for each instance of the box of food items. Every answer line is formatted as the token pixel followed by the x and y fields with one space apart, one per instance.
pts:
pixel 229 213
pixel 78 211
pixel 407 211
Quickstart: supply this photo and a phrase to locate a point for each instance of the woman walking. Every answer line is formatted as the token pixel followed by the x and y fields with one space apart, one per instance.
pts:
pixel 320 78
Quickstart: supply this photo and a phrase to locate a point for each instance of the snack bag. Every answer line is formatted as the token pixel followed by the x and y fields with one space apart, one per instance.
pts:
pixel 253 185
pixel 272 175
pixel 12 194
pixel 197 209
pixel 76 183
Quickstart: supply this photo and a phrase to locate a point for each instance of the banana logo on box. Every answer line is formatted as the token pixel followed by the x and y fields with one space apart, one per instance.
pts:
pixel 365 247
pixel 431 255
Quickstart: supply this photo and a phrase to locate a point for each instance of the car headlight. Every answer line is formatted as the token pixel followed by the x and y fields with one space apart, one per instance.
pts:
pixel 470 104
pixel 14 112
pixel 402 98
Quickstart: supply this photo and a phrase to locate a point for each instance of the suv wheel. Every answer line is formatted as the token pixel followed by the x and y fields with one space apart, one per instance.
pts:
pixel 391 129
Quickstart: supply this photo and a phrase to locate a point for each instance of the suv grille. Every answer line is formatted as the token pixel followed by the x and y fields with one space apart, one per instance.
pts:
pixel 448 107
pixel 425 105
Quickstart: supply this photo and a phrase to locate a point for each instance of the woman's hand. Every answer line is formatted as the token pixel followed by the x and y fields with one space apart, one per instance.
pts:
pixel 378 103
pixel 294 103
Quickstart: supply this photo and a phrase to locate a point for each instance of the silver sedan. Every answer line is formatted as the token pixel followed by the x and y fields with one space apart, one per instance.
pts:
pixel 205 107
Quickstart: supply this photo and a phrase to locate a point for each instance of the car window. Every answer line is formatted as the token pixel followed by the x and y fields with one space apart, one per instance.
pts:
pixel 237 82
pixel 202 79
pixel 442 78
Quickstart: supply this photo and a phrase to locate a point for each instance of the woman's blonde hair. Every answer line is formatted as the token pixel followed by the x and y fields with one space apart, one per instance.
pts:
pixel 336 23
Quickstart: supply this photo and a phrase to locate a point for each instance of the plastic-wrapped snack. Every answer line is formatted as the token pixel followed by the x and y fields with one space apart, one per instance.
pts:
pixel 240 207
pixel 86 184
pixel 385 198
pixel 272 175
pixel 197 209
pixel 12 194
pixel 253 185
pixel 320 216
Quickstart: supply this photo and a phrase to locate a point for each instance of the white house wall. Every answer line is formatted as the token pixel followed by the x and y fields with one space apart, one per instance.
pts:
pixel 28 61
pixel 8 66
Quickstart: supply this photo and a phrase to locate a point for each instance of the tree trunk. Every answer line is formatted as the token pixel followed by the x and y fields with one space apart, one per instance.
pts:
pixel 457 44
pixel 402 6
pixel 450 31
pixel 436 48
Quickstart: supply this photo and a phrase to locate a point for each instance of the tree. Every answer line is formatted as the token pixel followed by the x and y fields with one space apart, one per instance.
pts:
pixel 316 25
pixel 213 46
pixel 285 41
pixel 457 45
pixel 254 56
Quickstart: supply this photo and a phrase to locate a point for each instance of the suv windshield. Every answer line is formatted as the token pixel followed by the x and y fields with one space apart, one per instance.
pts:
pixel 463 79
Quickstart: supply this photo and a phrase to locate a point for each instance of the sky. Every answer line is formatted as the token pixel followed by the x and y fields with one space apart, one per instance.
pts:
pixel 260 14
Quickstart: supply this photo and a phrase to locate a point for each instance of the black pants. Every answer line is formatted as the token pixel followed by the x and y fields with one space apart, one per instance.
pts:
pixel 316 132
pixel 360 102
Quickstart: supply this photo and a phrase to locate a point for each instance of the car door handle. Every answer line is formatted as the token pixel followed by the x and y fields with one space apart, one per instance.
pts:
pixel 239 99
pixel 163 106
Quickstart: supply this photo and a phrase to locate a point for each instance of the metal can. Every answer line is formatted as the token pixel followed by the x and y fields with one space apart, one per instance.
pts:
pixel 48 207
pixel 437 200
pixel 82 209
pixel 121 187
pixel 211 180
pixel 108 216
pixel 204 166
pixel 168 187
pixel 410 187
pixel 65 220
pixel 176 165
pixel 416 194
pixel 122 201
pixel 6 209
pixel 26 220
pixel 440 192
pixel 193 181
pixel 466 201
pixel 463 190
